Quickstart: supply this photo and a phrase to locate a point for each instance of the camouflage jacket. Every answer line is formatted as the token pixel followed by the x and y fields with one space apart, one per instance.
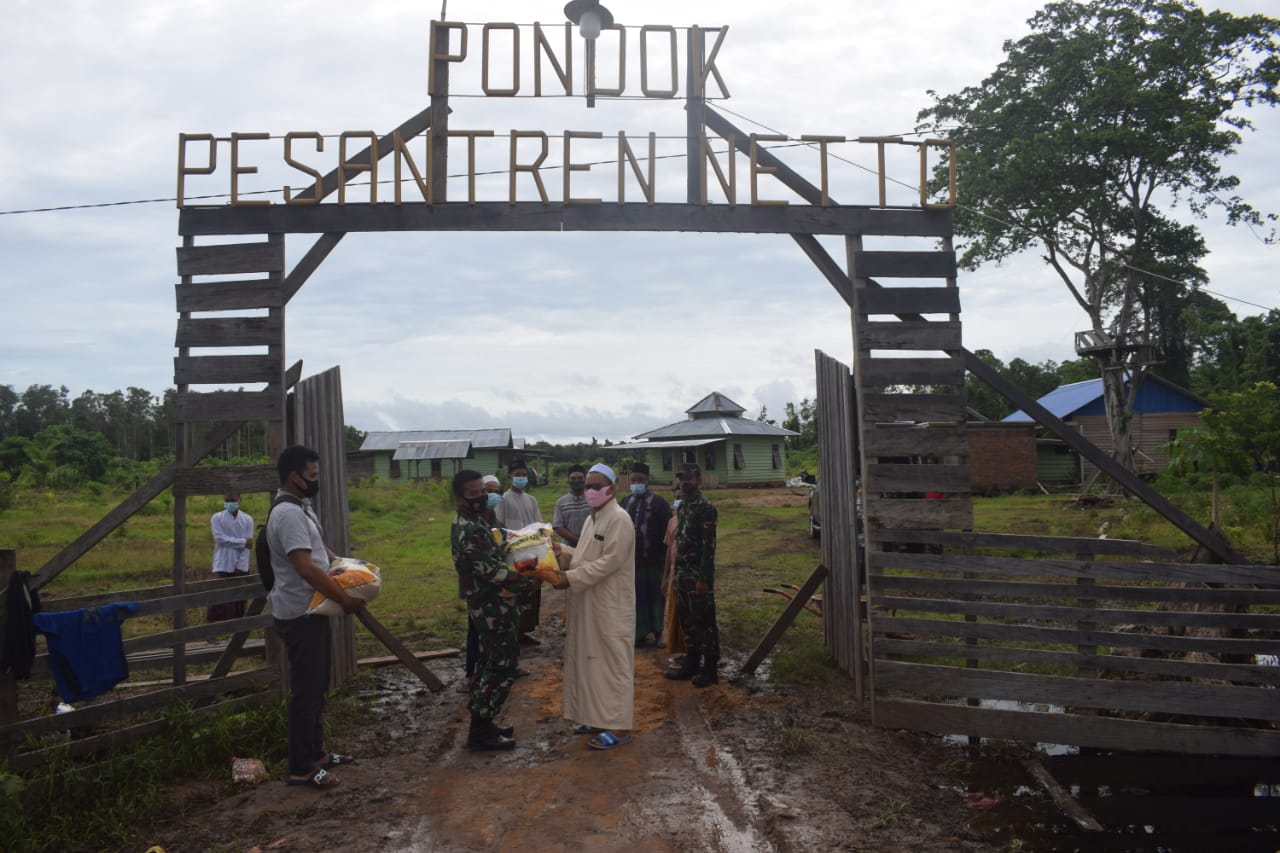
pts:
pixel 696 540
pixel 483 575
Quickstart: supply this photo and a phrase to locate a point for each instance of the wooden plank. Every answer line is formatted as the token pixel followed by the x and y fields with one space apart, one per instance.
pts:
pixel 162 659
pixel 218 406
pixel 907 300
pixel 8 683
pixel 909 335
pixel 886 372
pixel 1090 771
pixel 242 479
pixel 149 594
pixel 1100 732
pixel 905 265
pixel 882 624
pixel 229 295
pixel 392 642
pixel 883 477
pixel 387 660
pixel 237 641
pixel 536 216
pixel 784 620
pixel 944 408
pixel 196 633
pixel 1063 544
pixel 112 740
pixel 890 513
pixel 230 331
pixel 293 374
pixel 1102 615
pixel 894 648
pixel 1195 813
pixel 140 498
pixel 1188 595
pixel 888 440
pixel 230 258
pixel 226 369
pixel 1096 569
pixel 117 707
pixel 1060 797
pixel 826 265
pixel 1196 700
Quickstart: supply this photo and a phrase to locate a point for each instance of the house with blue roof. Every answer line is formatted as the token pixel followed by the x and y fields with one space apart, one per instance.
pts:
pixel 1161 408
pixel 731 450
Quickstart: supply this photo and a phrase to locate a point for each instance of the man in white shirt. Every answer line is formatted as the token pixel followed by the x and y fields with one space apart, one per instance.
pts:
pixel 232 542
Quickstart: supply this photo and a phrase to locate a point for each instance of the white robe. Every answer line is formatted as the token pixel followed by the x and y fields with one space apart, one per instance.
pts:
pixel 599 650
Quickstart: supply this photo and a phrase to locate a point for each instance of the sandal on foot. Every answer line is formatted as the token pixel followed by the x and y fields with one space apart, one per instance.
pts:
pixel 336 760
pixel 321 778
pixel 584 729
pixel 608 740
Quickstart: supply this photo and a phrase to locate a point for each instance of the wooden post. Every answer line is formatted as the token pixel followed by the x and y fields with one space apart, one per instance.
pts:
pixel 8 684
pixel 784 621
pixel 439 132
pixel 694 105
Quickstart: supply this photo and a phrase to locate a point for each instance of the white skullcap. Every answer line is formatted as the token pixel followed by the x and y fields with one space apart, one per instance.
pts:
pixel 489 478
pixel 601 468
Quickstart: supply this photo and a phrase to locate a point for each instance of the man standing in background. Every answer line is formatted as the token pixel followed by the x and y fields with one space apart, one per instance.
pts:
pixel 232 542
pixel 572 509
pixel 518 509
pixel 649 514
pixel 696 580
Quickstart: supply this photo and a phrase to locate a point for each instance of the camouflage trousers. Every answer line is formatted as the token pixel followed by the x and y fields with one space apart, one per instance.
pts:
pixel 697 614
pixel 496 665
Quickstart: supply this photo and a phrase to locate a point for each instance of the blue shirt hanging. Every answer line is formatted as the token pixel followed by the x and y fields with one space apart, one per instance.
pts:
pixel 86 649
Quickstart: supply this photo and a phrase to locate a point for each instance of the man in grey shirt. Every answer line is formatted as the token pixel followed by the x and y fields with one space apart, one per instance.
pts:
pixel 300 562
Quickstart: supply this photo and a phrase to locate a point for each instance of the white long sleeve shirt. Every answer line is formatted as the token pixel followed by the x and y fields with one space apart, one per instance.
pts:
pixel 229 534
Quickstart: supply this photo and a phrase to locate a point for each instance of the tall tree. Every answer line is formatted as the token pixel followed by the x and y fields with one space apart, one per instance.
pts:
pixel 1102 118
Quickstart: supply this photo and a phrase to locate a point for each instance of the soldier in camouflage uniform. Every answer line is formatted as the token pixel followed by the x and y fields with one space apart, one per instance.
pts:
pixel 695 575
pixel 489 585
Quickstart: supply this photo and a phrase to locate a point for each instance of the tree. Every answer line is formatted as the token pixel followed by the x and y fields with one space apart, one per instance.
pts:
pixel 803 420
pixel 352 438
pixel 1103 116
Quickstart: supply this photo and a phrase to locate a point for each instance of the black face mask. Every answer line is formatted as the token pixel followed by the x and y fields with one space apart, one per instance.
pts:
pixel 477 506
pixel 311 488
pixel 688 488
pixel 577 487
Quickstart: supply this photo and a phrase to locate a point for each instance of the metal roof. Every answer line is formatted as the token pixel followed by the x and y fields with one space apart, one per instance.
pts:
pixel 715 403
pixel 709 426
pixel 432 450
pixel 659 445
pixel 479 438
pixel 1085 398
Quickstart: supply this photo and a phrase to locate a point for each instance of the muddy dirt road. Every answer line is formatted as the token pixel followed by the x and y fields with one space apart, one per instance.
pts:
pixel 732 767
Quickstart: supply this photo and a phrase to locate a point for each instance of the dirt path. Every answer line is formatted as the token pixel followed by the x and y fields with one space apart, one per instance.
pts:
pixel 721 768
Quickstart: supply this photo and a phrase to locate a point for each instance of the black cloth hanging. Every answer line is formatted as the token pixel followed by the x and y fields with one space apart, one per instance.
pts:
pixel 22 603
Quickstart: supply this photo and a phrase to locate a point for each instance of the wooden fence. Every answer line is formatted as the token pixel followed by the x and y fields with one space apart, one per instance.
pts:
pixel 1098 646
pixel 116 718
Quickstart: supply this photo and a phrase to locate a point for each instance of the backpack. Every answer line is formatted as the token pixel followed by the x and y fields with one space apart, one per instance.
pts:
pixel 262 550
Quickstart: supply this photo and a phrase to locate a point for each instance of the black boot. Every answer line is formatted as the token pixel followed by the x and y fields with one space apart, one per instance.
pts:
pixel 686 670
pixel 484 735
pixel 708 675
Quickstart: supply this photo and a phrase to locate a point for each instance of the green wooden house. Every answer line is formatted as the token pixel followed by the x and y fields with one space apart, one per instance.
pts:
pixel 730 449
pixel 438 454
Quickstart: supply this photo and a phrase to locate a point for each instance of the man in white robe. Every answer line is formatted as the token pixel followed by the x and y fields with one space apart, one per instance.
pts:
pixel 599 649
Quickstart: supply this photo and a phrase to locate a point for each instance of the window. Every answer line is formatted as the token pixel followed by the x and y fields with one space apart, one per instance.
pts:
pixel 738 462
pixel 777 456
pixel 394 471
pixel 690 457
pixel 709 459
pixel 437 472
pixel 668 460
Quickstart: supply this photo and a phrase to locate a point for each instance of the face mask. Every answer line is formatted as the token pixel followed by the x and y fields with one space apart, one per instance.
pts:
pixel 519 482
pixel 677 503
pixel 477 505
pixel 576 486
pixel 231 506
pixel 599 497
pixel 494 499
pixel 638 488
pixel 311 487
pixel 688 488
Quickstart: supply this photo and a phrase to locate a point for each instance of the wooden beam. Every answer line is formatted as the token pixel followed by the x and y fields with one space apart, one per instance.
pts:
pixel 1061 798
pixel 886 372
pixel 242 479
pixel 229 332
pixel 140 498
pixel 905 264
pixel 497 216
pixel 228 295
pixel 393 644
pixel 1062 544
pixel 783 622
pixel 329 183
pixel 230 258
pixel 225 369
pixel 219 406
pixel 310 263
pixel 909 300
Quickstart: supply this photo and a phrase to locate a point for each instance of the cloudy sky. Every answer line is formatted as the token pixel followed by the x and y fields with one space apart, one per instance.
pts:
pixel 561 336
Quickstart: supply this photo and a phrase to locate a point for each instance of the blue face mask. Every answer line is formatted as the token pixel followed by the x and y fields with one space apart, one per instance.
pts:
pixel 519 482
pixel 638 488
pixel 231 506
pixel 494 499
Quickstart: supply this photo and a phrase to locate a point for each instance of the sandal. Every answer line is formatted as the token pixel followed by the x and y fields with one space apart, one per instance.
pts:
pixel 321 778
pixel 608 740
pixel 584 729
pixel 336 760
